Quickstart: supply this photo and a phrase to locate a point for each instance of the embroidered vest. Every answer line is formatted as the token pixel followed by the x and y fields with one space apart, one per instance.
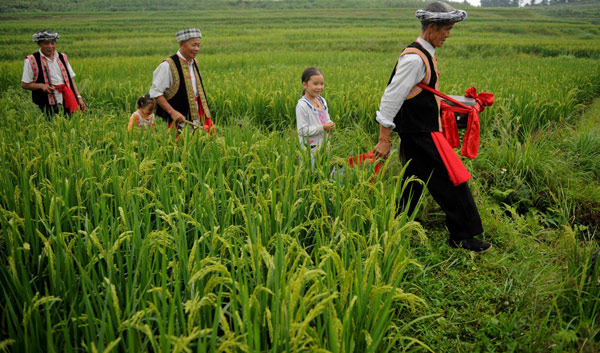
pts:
pixel 39 63
pixel 420 111
pixel 181 94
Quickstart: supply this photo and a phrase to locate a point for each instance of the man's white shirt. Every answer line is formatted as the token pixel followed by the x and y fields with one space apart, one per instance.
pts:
pixel 409 72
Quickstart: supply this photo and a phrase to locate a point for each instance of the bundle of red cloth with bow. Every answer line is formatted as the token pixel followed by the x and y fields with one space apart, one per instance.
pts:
pixel 448 138
pixel 470 145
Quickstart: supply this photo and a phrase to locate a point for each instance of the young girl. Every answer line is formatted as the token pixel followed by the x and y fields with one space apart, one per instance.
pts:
pixel 312 115
pixel 143 117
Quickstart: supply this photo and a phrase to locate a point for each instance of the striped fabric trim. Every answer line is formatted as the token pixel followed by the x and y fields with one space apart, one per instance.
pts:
pixel 202 96
pixel 46 74
pixel 172 91
pixel 416 90
pixel 34 67
pixel 194 114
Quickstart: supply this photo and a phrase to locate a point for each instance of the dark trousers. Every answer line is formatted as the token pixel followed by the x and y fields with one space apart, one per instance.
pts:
pixel 425 162
pixel 56 109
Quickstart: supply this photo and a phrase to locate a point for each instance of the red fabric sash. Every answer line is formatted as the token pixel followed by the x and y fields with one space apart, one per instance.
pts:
pixel 470 145
pixel 457 171
pixel 69 99
pixel 206 121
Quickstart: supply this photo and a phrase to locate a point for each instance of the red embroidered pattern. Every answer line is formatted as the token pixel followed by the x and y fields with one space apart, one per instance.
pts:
pixel 34 67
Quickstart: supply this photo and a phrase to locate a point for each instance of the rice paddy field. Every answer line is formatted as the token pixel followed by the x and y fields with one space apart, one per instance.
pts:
pixel 117 241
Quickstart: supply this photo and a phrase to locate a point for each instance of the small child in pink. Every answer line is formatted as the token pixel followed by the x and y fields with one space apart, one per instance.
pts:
pixel 143 117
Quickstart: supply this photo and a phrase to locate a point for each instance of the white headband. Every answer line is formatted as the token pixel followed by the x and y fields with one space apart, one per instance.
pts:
pixel 45 35
pixel 454 16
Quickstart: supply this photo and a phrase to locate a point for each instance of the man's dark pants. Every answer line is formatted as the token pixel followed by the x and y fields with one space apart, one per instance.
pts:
pixel 425 162
pixel 56 109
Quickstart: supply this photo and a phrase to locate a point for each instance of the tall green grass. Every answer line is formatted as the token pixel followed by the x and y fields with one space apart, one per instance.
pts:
pixel 139 242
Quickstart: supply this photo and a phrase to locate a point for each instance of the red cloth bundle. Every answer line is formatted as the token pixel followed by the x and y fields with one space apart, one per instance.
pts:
pixel 365 158
pixel 470 145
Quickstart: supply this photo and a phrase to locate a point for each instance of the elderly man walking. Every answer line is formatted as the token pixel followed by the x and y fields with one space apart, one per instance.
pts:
pixel 49 76
pixel 177 85
pixel 414 114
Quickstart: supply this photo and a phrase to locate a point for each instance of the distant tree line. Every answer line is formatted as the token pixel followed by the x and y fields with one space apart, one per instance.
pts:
pixel 24 6
pixel 517 3
pixel 11 6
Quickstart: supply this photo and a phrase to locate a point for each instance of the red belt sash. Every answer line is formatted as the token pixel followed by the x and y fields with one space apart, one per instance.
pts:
pixel 206 121
pixel 457 172
pixel 69 100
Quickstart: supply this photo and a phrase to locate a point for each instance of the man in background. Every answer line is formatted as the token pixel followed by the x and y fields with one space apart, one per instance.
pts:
pixel 49 76
pixel 177 85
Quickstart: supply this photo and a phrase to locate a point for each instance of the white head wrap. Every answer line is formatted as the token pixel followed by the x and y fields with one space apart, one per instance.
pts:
pixel 189 33
pixel 438 11
pixel 45 35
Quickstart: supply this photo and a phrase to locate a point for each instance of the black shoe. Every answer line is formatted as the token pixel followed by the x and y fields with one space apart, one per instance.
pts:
pixel 472 244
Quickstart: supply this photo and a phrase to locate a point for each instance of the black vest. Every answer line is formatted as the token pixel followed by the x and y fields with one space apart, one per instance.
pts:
pixel 180 100
pixel 421 112
pixel 40 97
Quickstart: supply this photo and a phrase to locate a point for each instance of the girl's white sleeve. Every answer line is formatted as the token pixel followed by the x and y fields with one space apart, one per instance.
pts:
pixel 305 129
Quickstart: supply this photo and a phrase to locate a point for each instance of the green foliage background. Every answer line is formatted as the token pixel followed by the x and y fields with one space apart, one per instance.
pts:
pixel 131 242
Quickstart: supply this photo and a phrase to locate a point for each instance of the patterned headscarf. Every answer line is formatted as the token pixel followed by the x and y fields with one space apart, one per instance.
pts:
pixel 440 12
pixel 189 33
pixel 45 35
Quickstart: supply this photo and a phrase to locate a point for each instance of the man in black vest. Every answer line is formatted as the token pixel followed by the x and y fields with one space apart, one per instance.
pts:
pixel 414 114
pixel 177 85
pixel 49 76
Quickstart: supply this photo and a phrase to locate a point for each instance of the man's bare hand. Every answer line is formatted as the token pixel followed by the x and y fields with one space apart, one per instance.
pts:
pixel 47 88
pixel 82 105
pixel 382 149
pixel 177 117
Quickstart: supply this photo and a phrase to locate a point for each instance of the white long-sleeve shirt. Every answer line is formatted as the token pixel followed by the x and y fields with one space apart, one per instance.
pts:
pixel 409 71
pixel 309 126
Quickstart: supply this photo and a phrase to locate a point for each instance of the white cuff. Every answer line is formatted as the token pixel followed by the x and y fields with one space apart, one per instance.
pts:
pixel 384 122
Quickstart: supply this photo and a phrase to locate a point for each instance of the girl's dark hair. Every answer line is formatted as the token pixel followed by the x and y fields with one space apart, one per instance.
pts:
pixel 308 73
pixel 144 100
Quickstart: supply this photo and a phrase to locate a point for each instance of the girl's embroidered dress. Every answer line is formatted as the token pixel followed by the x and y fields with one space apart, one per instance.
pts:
pixel 140 120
